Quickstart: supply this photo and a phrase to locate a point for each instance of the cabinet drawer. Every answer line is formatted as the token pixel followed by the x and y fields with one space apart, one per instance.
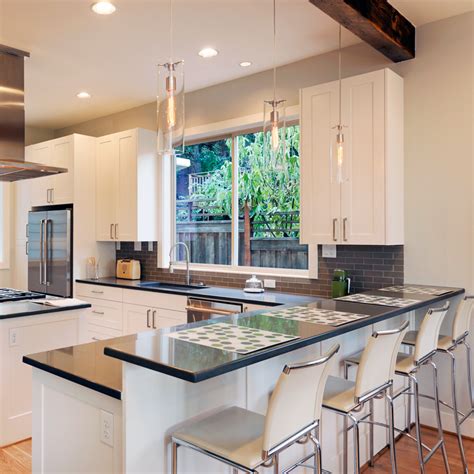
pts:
pixel 166 318
pixel 155 299
pixel 99 291
pixel 99 333
pixel 105 313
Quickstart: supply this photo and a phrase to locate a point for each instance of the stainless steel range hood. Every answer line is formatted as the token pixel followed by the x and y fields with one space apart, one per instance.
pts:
pixel 13 166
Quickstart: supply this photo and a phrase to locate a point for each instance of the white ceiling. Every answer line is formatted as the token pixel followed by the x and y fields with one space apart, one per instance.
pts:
pixel 114 57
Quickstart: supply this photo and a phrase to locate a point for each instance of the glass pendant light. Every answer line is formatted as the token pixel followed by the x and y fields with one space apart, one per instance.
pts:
pixel 170 101
pixel 338 150
pixel 274 117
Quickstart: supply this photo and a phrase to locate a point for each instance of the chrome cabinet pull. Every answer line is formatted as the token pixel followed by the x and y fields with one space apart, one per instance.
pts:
pixel 344 235
pixel 96 339
pixel 27 230
pixel 26 247
pixel 98 312
pixel 47 195
pixel 148 311
pixel 111 232
pixel 98 292
pixel 52 195
pixel 41 269
pixel 334 223
pixel 47 247
pixel 116 231
pixel 153 319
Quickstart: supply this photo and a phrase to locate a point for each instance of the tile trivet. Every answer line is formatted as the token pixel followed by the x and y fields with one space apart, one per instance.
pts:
pixel 317 315
pixel 428 290
pixel 378 300
pixel 228 337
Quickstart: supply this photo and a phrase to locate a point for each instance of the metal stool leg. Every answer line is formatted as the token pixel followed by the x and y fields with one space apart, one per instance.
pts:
pixel 318 460
pixel 355 434
pixel 174 458
pixel 438 417
pixel 419 446
pixel 345 443
pixel 469 373
pixel 457 423
pixel 391 427
pixel 408 421
pixel 371 433
pixel 276 464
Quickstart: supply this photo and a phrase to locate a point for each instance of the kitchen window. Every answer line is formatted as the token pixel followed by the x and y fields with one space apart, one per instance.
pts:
pixel 236 211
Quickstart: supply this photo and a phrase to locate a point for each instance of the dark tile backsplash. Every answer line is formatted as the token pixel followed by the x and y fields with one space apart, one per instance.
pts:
pixel 369 266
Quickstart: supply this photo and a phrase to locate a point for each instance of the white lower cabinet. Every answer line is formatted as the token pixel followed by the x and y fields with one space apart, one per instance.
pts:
pixel 143 318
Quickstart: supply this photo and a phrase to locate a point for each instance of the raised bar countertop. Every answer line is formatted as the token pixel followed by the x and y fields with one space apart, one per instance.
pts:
pixel 268 298
pixel 17 309
pixel 97 365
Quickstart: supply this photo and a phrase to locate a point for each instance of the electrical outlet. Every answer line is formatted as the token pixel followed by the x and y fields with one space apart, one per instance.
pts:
pixel 107 428
pixel 329 251
pixel 13 336
pixel 150 246
pixel 137 246
pixel 269 283
pixel 117 245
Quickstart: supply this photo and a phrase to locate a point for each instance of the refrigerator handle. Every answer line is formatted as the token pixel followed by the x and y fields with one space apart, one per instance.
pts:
pixel 46 248
pixel 41 250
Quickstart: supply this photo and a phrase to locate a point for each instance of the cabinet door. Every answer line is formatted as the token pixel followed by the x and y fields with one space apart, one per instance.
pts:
pixel 165 318
pixel 39 187
pixel 137 318
pixel 363 194
pixel 106 187
pixel 62 156
pixel 127 186
pixel 320 194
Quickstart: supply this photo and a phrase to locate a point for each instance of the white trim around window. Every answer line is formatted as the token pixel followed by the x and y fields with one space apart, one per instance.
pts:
pixel 208 132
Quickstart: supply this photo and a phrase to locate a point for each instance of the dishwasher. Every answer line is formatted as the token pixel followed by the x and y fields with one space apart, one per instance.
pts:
pixel 200 309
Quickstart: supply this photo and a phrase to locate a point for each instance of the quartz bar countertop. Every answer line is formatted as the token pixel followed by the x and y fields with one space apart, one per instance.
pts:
pixel 17 309
pixel 268 298
pixel 98 365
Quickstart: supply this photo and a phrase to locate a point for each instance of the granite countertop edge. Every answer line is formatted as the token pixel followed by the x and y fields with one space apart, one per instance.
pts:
pixel 38 309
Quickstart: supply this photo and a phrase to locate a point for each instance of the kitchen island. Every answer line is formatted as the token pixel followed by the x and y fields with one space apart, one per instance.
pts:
pixel 167 380
pixel 25 327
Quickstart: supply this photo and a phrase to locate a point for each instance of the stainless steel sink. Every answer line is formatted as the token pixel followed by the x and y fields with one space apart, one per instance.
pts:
pixel 170 286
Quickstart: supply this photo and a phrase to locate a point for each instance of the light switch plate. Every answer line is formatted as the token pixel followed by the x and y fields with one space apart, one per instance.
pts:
pixel 107 428
pixel 137 246
pixel 13 336
pixel 117 245
pixel 150 246
pixel 269 283
pixel 329 251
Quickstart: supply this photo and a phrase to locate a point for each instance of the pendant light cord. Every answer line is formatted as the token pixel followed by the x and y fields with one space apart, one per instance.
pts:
pixel 171 31
pixel 274 50
pixel 340 77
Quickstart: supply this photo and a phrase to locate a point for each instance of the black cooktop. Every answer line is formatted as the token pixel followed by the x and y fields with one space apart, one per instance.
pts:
pixel 8 294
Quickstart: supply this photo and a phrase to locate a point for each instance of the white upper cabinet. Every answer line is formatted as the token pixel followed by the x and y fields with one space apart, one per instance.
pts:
pixel 367 207
pixel 56 189
pixel 127 187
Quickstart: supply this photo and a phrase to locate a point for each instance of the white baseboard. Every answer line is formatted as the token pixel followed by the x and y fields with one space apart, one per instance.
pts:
pixel 428 418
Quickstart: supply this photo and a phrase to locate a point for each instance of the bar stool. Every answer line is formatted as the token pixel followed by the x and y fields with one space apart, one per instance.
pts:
pixel 407 365
pixel 447 345
pixel 246 440
pixel 374 380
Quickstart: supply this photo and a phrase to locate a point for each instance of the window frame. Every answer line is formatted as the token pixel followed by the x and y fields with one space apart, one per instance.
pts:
pixel 218 131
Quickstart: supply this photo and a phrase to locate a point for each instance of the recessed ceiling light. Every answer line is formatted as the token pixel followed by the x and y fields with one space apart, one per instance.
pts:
pixel 83 95
pixel 245 64
pixel 208 53
pixel 103 8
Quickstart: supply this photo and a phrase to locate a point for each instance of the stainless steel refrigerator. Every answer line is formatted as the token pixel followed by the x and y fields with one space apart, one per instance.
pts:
pixel 50 251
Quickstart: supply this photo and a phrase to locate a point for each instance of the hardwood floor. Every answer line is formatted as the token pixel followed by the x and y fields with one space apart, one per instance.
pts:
pixel 17 458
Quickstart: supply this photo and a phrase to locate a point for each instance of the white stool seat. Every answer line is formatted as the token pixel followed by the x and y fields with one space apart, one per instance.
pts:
pixel 444 342
pixel 235 434
pixel 339 394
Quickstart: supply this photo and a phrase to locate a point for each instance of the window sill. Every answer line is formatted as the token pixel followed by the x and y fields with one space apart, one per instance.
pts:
pixel 275 272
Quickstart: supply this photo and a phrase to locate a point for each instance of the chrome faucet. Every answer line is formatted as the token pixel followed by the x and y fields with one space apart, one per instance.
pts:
pixel 188 279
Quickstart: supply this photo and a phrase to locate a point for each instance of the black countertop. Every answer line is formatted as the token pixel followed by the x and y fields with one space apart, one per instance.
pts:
pixel 268 298
pixel 98 365
pixel 17 309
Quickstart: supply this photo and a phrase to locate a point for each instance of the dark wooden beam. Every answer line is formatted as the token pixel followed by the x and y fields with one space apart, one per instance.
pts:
pixel 376 22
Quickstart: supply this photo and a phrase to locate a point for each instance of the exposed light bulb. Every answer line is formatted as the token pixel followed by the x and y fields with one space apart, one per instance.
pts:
pixel 171 106
pixel 340 155
pixel 275 137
